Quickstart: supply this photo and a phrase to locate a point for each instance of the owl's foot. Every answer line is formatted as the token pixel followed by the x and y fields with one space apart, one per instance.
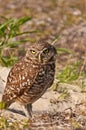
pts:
pixel 28 110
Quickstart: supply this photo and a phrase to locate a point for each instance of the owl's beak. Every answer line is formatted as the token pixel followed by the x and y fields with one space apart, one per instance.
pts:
pixel 39 58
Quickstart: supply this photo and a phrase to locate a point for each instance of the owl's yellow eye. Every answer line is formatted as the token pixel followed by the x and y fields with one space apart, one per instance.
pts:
pixel 46 51
pixel 33 52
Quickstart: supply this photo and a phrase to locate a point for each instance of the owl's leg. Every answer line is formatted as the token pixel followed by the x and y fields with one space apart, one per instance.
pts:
pixel 28 110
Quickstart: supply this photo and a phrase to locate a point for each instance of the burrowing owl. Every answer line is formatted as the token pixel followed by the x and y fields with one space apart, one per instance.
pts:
pixel 31 76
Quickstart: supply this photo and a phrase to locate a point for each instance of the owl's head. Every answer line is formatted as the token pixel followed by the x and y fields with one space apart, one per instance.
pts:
pixel 41 52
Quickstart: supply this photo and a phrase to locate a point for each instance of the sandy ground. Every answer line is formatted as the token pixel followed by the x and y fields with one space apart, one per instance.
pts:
pixel 66 101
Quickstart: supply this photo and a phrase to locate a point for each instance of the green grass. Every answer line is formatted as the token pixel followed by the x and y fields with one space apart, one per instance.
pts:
pixel 10 29
pixel 10 124
pixel 69 73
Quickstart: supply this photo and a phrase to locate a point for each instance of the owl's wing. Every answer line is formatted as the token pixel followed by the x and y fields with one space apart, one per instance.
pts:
pixel 20 77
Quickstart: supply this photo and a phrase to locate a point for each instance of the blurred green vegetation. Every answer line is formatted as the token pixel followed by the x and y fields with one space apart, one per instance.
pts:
pixel 5 124
pixel 10 29
pixel 69 73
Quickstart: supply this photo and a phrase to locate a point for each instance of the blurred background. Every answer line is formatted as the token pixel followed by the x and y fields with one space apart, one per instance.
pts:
pixel 63 24
pixel 60 22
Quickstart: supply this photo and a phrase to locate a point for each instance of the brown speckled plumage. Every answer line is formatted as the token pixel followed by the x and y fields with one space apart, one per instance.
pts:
pixel 31 76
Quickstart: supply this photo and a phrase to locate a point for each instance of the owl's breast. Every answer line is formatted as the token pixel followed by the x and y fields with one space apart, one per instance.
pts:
pixel 44 79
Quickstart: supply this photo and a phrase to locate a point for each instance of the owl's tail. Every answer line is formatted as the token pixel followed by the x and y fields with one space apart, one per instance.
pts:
pixel 5 101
